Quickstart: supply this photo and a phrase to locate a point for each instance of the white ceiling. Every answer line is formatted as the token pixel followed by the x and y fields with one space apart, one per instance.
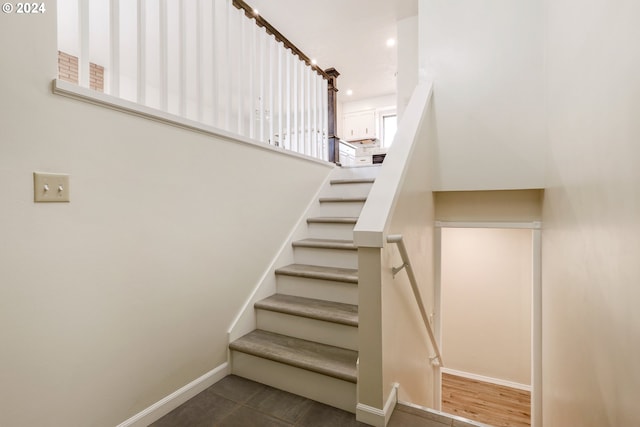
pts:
pixel 348 35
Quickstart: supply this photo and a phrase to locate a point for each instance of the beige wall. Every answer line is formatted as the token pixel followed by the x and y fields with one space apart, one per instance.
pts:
pixel 486 59
pixel 117 299
pixel 591 244
pixel 489 206
pixel 486 279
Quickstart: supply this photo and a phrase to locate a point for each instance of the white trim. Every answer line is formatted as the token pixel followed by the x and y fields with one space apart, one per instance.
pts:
pixel 536 332
pixel 378 417
pixel 236 329
pixel 533 225
pixel 437 313
pixel 74 91
pixel 177 398
pixel 482 378
pixel 442 414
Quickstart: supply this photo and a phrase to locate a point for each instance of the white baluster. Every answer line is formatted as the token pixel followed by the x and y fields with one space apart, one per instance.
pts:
pixel 199 61
pixel 242 70
pixel 114 48
pixel 84 31
pixel 262 74
pixel 325 119
pixel 215 94
pixel 319 129
pixel 300 107
pixel 251 79
pixel 279 105
pixel 142 52
pixel 293 130
pixel 182 58
pixel 309 134
pixel 228 70
pixel 163 60
pixel 272 82
pixel 288 85
pixel 314 114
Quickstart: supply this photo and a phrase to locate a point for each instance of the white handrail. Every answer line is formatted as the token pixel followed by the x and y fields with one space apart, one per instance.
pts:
pixel 406 264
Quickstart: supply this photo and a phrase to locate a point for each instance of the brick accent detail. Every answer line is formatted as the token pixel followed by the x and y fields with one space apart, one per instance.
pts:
pixel 68 71
pixel 96 77
pixel 67 67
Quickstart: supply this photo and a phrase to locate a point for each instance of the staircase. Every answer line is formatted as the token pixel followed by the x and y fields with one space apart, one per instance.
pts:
pixel 306 339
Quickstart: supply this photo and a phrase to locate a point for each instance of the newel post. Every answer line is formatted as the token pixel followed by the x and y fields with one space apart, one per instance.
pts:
pixel 334 148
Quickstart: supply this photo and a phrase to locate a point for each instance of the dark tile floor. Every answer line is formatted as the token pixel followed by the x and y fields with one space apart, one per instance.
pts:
pixel 238 402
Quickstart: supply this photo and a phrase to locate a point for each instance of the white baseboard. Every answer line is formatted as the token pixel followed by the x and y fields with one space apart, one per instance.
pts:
pixel 378 417
pixel 442 418
pixel 177 398
pixel 496 381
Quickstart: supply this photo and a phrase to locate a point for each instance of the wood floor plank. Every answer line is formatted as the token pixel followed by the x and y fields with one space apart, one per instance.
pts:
pixel 487 403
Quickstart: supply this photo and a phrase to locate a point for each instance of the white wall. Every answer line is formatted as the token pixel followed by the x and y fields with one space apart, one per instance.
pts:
pixel 113 301
pixel 407 77
pixel 369 104
pixel 486 278
pixel 486 59
pixel 591 321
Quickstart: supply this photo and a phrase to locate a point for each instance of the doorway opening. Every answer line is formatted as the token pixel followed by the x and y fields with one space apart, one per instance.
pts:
pixel 488 321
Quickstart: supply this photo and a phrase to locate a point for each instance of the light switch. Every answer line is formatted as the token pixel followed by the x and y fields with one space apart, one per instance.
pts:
pixel 50 187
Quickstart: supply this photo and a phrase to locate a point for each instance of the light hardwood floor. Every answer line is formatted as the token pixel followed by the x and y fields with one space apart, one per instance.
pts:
pixel 484 402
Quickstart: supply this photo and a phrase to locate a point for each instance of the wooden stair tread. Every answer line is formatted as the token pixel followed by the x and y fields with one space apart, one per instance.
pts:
pixel 347 275
pixel 328 311
pixel 352 181
pixel 324 359
pixel 332 220
pixel 343 199
pixel 325 244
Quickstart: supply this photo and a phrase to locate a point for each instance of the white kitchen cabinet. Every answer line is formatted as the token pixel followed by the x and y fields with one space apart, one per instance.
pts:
pixel 359 125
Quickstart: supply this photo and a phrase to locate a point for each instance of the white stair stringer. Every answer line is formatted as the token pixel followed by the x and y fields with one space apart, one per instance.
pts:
pixel 313 314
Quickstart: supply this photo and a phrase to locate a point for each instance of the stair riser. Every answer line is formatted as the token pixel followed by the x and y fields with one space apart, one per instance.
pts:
pixel 360 172
pixel 328 290
pixel 326 257
pixel 339 209
pixel 309 329
pixel 330 231
pixel 322 388
pixel 348 190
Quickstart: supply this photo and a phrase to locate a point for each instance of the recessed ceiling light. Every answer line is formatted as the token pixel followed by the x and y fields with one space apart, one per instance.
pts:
pixel 349 92
pixel 256 12
pixel 391 42
pixel 314 62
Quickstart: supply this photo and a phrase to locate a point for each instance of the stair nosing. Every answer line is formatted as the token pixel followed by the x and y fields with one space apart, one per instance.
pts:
pixel 243 345
pixel 352 181
pixel 332 220
pixel 342 199
pixel 349 275
pixel 324 310
pixel 325 244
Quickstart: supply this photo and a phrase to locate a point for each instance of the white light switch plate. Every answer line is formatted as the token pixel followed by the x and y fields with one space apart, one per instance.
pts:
pixel 50 187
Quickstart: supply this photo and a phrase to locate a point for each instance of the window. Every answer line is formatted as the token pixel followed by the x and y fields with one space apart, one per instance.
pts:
pixel 389 127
